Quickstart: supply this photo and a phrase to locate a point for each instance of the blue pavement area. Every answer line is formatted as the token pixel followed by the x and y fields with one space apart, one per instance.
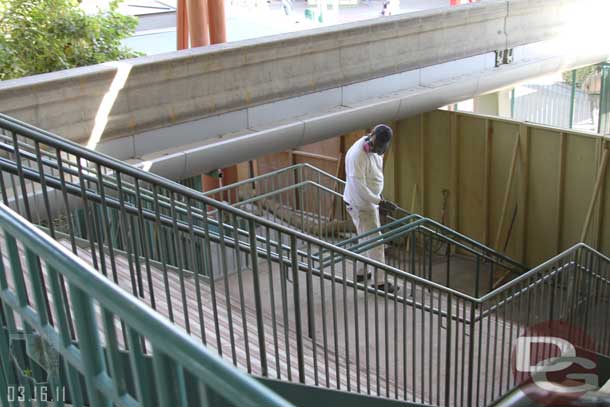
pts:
pixel 248 19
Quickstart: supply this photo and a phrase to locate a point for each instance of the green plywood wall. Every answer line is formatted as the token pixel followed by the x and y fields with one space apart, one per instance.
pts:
pixel 454 167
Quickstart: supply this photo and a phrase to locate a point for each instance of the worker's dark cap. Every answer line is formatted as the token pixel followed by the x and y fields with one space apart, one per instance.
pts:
pixel 382 133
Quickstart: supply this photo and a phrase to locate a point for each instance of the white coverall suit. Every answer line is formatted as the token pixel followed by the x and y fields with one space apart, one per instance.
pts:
pixel 364 176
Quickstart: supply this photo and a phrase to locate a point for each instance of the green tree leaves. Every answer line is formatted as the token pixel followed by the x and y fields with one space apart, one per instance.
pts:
pixel 38 36
pixel 581 75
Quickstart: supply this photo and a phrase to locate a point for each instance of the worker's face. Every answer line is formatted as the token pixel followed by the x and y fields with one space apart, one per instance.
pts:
pixel 379 148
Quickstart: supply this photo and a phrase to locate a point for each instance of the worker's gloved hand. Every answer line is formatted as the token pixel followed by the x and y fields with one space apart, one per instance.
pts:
pixel 387 206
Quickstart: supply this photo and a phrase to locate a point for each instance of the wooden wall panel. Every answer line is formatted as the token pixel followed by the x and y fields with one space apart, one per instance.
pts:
pixel 352 137
pixel 604 245
pixel 408 165
pixel 389 169
pixel 437 166
pixel 330 147
pixel 272 162
pixel 581 169
pixel 502 142
pixel 543 194
pixel 470 155
pixel 471 145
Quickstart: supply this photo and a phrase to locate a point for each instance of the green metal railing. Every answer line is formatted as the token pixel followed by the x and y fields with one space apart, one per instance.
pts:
pixel 427 248
pixel 300 330
pixel 565 102
pixel 162 242
pixel 33 263
pixel 311 200
pixel 300 196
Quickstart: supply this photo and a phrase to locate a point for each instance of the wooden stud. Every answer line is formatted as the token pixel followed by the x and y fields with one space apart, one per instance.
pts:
pixel 560 192
pixel 454 176
pixel 413 198
pixel 343 151
pixel 291 159
pixel 486 179
pixel 596 189
pixel 339 165
pixel 509 183
pixel 396 161
pixel 334 205
pixel 422 163
pixel 602 201
pixel 389 156
pixel 524 133
pixel 599 213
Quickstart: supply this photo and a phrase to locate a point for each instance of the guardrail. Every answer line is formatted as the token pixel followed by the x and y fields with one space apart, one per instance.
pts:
pixel 300 196
pixel 311 200
pixel 431 250
pixel 154 238
pixel 255 318
pixel 44 288
pixel 572 289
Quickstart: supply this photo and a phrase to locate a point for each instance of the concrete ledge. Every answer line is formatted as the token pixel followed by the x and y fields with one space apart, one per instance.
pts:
pixel 182 161
pixel 153 92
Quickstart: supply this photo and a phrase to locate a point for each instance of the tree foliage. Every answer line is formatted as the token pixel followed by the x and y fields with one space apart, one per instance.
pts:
pixel 38 36
pixel 581 75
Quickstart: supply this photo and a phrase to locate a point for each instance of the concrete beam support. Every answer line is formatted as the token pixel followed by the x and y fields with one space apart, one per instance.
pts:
pixel 493 104
pixel 158 91
pixel 249 133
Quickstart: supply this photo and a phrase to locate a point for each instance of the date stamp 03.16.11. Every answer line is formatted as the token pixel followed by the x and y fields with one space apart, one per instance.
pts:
pixel 36 368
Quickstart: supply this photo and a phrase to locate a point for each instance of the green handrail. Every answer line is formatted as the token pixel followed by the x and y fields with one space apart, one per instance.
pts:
pixel 173 352
pixel 45 137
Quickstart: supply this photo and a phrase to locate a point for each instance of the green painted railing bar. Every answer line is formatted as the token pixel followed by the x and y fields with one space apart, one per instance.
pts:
pixel 572 99
pixel 307 396
pixel 86 288
pixel 143 379
pixel 167 234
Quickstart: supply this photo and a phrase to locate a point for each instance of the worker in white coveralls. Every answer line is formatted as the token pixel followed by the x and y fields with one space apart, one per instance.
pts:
pixel 362 195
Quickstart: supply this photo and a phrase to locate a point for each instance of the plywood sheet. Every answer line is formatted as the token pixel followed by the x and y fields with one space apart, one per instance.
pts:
pixel 330 147
pixel 407 165
pixel 604 245
pixel 543 194
pixel 438 165
pixel 503 136
pixel 471 136
pixel 581 169
pixel 538 193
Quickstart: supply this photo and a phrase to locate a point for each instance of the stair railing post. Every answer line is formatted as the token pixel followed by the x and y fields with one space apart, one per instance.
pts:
pixel 297 307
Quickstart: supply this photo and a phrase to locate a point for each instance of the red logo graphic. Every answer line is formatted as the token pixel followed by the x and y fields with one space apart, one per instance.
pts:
pixel 555 363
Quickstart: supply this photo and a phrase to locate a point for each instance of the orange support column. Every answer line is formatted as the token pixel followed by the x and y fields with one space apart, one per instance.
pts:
pixel 229 176
pixel 209 183
pixel 204 20
pixel 218 27
pixel 198 22
pixel 182 27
